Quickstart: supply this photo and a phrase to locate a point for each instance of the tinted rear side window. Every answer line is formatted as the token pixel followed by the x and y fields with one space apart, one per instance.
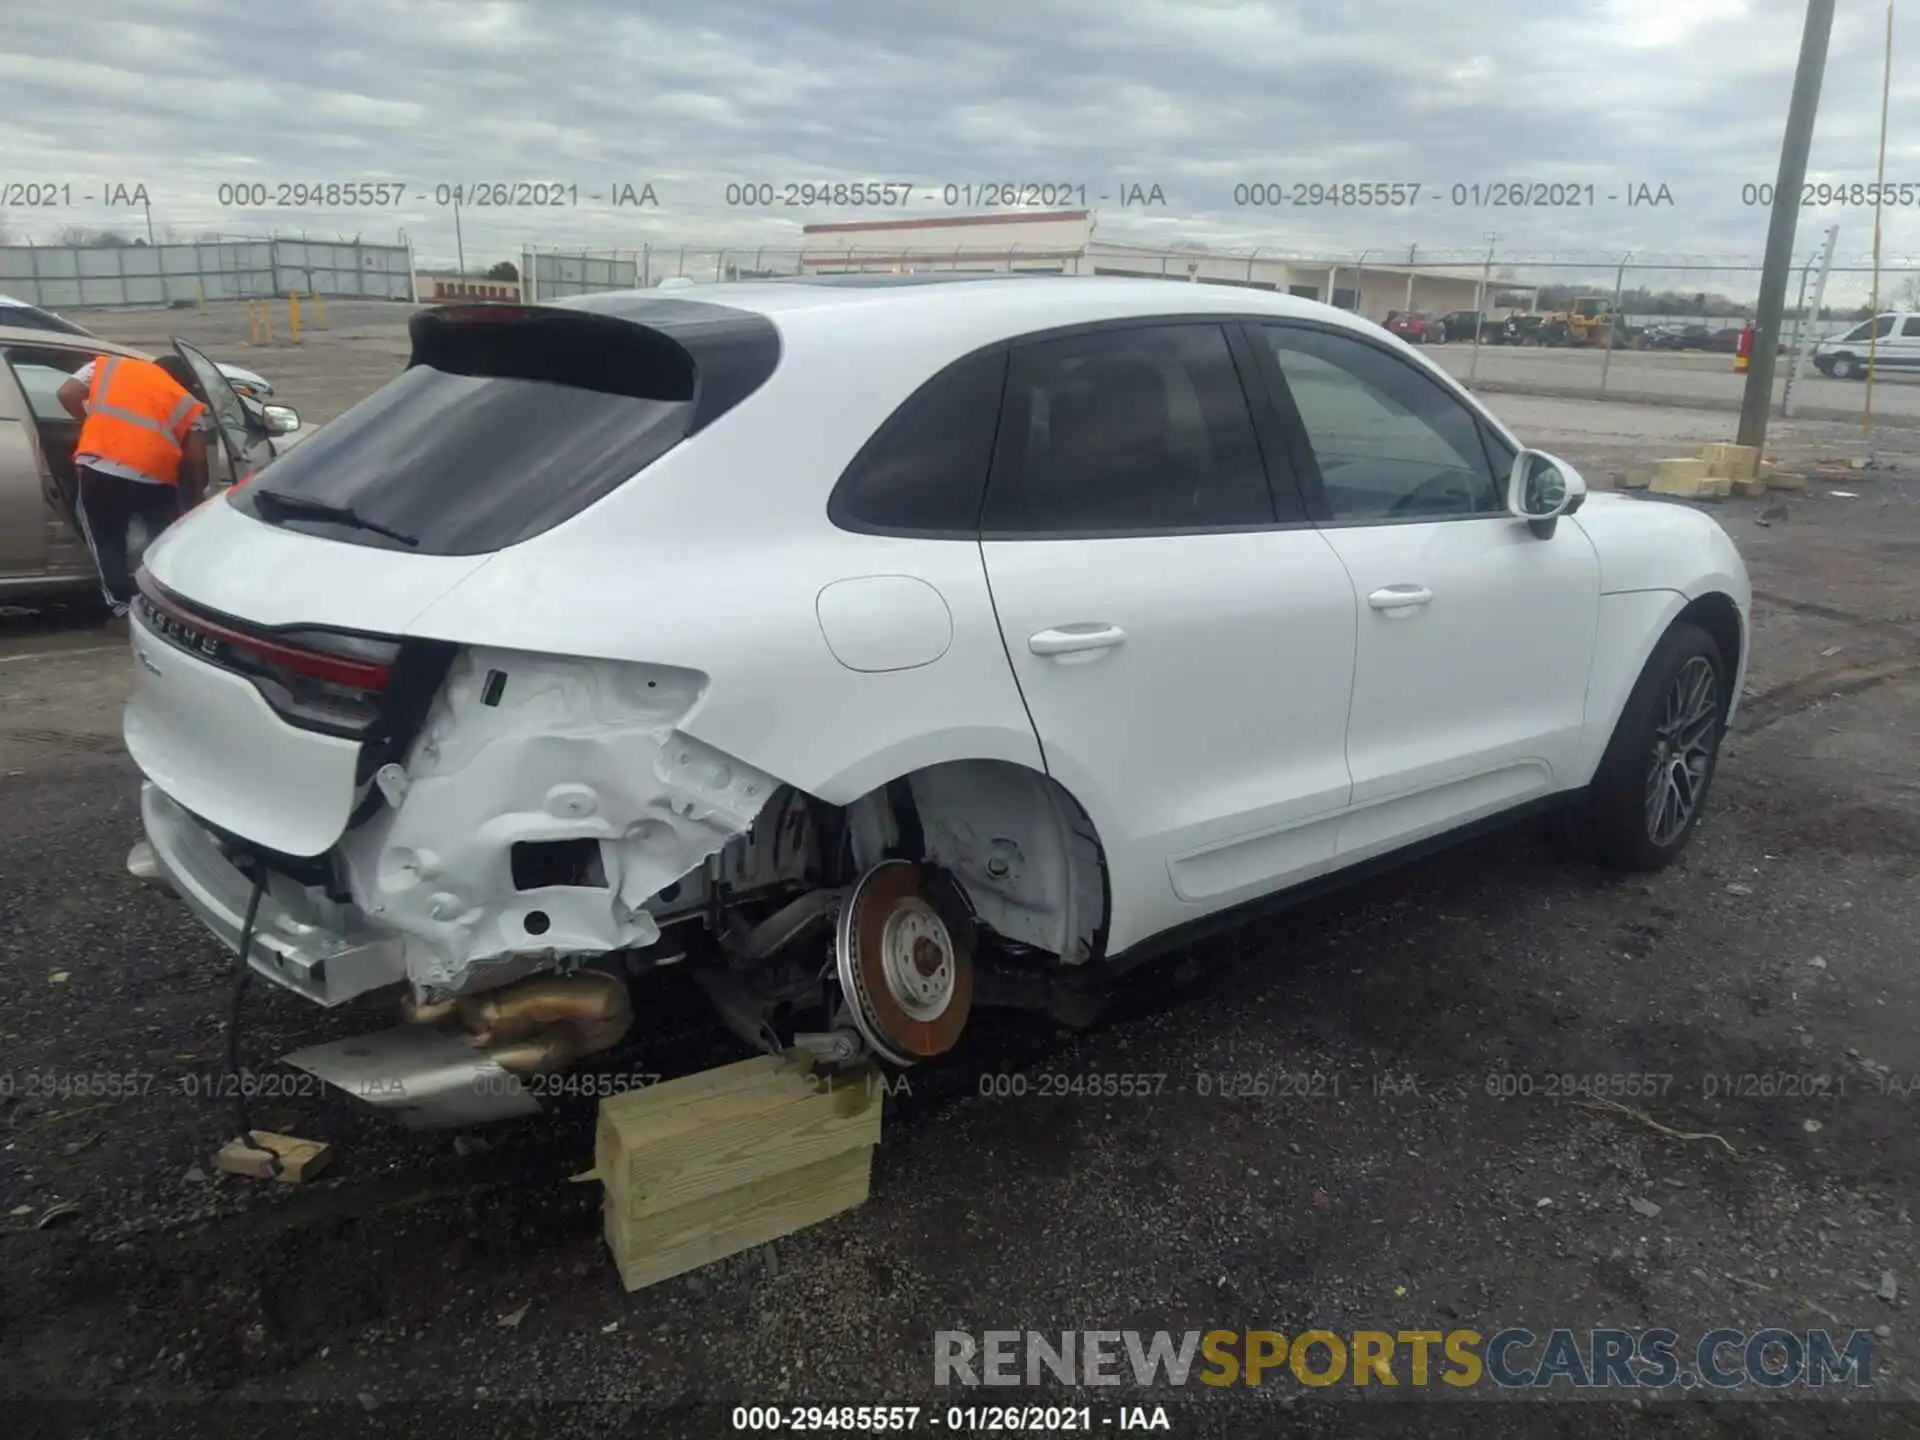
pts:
pixel 504 425
pixel 925 470
pixel 1123 431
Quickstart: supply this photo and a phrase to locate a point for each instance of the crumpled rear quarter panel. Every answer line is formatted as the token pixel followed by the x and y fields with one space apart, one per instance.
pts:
pixel 572 749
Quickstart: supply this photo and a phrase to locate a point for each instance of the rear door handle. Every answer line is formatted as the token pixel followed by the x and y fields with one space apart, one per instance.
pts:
pixel 1068 639
pixel 1399 597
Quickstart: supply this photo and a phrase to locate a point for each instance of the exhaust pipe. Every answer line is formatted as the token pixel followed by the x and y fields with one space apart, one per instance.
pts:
pixel 460 1061
pixel 537 1024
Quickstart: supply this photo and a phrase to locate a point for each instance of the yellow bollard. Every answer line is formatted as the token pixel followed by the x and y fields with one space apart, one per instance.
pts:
pixel 253 323
pixel 293 314
pixel 319 310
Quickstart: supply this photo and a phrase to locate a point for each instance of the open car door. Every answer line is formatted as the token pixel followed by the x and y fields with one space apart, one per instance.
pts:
pixel 244 446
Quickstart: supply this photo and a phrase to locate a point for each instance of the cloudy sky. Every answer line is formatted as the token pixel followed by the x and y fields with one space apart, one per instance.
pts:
pixel 1195 97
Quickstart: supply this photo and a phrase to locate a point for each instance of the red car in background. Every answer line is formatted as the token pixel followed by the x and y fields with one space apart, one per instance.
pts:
pixel 1415 327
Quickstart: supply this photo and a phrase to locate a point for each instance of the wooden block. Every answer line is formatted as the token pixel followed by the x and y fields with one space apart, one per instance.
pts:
pixel 1732 462
pixel 709 1156
pixel 1724 460
pixel 1678 477
pixel 1749 488
pixel 1713 487
pixel 704 1167
pixel 299 1159
pixel 1636 480
pixel 657 1247
pixel 1785 480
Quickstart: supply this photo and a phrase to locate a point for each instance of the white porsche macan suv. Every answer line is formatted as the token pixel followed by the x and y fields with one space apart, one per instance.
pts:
pixel 878 648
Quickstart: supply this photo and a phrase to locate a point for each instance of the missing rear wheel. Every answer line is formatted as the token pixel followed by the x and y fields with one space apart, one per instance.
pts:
pixel 905 967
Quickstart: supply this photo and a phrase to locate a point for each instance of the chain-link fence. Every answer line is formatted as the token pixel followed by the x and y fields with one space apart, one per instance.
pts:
pixel 574 270
pixel 1667 327
pixel 1674 338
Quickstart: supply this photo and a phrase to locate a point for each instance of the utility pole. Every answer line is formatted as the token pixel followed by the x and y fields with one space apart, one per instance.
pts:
pixel 1613 321
pixel 460 246
pixel 1480 307
pixel 1873 335
pixel 1758 399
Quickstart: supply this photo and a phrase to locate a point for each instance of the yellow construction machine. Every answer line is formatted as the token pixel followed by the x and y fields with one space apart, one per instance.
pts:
pixel 1587 321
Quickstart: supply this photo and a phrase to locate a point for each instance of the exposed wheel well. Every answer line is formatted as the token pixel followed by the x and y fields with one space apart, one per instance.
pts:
pixel 1719 617
pixel 1021 847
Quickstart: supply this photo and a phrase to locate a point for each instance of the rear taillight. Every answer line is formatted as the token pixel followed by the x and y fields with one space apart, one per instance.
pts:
pixel 317 678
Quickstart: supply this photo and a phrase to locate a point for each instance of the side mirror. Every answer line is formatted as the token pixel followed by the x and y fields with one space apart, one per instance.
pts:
pixel 1540 489
pixel 280 419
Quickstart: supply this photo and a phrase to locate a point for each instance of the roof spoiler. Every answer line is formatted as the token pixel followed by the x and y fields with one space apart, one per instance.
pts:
pixel 619 344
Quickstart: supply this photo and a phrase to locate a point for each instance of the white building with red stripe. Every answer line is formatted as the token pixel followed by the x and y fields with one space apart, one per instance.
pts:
pixel 1063 242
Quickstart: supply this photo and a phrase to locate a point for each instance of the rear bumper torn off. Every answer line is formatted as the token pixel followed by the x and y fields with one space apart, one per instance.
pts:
pixel 325 965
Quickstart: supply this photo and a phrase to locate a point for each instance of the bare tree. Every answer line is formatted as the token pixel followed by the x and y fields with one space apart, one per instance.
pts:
pixel 1906 295
pixel 81 235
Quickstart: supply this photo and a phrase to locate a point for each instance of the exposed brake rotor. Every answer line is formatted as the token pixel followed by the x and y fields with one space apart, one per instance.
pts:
pixel 905 968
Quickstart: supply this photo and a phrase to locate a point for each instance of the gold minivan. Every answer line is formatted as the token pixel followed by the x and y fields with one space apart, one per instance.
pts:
pixel 42 557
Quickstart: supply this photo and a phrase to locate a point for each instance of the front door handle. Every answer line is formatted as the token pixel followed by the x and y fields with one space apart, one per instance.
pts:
pixel 1068 639
pixel 1399 597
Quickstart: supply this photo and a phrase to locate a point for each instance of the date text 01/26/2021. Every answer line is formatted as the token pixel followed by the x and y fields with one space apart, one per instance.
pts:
pixel 392 194
pixel 1460 195
pixel 970 195
pixel 959 1419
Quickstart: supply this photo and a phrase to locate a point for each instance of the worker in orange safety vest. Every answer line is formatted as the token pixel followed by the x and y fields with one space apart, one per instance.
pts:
pixel 141 459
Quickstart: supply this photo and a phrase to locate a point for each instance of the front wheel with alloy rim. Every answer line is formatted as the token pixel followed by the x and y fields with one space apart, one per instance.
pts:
pixel 1652 784
pixel 1842 367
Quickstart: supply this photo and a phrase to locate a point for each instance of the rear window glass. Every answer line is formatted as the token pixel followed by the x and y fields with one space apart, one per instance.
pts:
pixel 497 432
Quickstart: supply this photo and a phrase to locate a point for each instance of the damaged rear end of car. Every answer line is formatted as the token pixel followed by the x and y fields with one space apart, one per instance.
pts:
pixel 519 681
pixel 394 810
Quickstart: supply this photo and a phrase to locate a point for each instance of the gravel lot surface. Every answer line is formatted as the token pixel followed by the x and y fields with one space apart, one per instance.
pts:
pixel 1427 1178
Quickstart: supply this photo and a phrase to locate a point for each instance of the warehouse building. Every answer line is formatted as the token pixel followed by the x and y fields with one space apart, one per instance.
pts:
pixel 436 287
pixel 1063 242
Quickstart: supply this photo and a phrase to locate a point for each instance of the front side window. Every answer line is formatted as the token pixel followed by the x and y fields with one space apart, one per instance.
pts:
pixel 40 380
pixel 1389 442
pixel 1910 326
pixel 1139 429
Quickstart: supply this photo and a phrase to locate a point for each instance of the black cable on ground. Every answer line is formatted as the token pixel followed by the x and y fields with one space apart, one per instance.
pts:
pixel 243 970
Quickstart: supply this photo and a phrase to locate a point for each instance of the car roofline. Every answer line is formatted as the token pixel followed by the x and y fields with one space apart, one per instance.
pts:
pixel 62 340
pixel 1046 302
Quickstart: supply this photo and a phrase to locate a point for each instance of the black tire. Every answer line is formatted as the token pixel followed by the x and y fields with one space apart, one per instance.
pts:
pixel 1841 367
pixel 1612 825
